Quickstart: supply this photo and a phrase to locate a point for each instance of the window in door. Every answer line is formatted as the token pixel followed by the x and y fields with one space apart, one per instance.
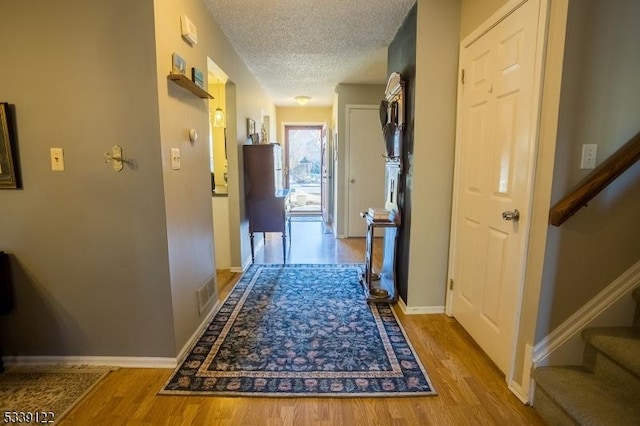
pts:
pixel 303 162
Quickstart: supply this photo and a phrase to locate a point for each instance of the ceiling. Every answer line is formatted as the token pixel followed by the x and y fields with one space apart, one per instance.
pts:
pixel 307 47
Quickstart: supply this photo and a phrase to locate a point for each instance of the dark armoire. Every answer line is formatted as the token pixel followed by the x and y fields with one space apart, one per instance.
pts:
pixel 267 201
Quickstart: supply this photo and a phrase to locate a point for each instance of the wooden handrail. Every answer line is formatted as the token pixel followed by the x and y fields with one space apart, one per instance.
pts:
pixel 596 181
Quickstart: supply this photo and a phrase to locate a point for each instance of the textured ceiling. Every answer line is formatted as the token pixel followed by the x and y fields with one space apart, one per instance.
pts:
pixel 307 47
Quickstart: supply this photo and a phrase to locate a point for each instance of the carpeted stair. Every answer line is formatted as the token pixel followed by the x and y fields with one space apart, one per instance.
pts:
pixel 605 390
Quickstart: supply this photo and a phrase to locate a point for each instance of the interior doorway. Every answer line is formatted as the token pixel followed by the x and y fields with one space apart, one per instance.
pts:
pixel 303 165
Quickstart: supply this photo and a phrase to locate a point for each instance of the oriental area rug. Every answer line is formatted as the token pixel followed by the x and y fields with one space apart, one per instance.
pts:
pixel 45 394
pixel 301 331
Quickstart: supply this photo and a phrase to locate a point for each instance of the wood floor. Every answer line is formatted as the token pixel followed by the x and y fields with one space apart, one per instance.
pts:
pixel 471 390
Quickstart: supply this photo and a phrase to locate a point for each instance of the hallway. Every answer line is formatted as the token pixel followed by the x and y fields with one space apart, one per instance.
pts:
pixel 312 242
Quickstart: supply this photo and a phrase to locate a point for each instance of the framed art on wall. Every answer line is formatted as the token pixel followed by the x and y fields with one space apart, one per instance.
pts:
pixel 9 177
pixel 251 127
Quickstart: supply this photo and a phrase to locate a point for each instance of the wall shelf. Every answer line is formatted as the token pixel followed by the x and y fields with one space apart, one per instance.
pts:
pixel 183 80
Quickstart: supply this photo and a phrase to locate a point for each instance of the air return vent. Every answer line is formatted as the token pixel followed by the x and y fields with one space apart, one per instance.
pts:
pixel 206 295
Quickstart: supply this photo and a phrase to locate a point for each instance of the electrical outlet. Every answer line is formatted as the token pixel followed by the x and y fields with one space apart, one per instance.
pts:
pixel 589 153
pixel 57 159
pixel 175 158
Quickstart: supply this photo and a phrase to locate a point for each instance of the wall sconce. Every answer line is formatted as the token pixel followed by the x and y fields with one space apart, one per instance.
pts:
pixel 302 100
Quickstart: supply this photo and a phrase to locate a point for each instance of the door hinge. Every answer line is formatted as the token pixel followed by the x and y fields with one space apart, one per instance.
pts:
pixel 450 283
pixel 462 76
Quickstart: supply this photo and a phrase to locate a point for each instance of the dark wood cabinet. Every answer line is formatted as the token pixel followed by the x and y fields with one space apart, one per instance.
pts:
pixel 267 201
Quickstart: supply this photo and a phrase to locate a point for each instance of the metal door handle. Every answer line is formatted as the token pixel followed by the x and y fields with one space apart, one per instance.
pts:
pixel 511 215
pixel 352 181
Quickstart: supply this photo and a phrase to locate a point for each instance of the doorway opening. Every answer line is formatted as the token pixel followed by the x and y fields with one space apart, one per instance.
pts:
pixel 303 163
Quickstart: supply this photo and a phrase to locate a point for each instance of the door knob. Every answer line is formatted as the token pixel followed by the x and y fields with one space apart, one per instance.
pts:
pixel 352 181
pixel 511 215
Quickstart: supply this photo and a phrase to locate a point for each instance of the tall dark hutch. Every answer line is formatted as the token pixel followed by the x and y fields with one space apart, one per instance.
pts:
pixel 267 201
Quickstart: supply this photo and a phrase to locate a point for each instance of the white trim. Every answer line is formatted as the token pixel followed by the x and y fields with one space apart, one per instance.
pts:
pixel 498 16
pixel 196 334
pixel 621 287
pixel 524 391
pixel 116 361
pixel 419 310
pixel 247 261
pixel 517 390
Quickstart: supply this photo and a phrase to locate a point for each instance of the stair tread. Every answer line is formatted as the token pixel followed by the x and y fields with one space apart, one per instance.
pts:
pixel 587 398
pixel 621 344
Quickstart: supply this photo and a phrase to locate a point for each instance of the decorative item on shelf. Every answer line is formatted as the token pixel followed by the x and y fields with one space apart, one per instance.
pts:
pixel 9 170
pixel 179 65
pixel 263 135
pixel 251 128
pixel 197 77
pixel 392 117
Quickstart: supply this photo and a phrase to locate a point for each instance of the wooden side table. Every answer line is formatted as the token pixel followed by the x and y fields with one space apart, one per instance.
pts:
pixel 380 287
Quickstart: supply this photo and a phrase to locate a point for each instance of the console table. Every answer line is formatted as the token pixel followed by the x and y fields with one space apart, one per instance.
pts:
pixel 380 287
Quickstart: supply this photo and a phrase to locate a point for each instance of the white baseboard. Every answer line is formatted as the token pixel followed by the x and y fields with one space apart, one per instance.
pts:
pixel 196 334
pixel 245 265
pixel 112 361
pixel 612 306
pixel 419 310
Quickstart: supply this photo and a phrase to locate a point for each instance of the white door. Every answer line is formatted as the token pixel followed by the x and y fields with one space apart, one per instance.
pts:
pixel 494 176
pixel 365 187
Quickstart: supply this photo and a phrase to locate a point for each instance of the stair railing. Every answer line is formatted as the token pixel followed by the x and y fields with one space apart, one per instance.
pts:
pixel 596 181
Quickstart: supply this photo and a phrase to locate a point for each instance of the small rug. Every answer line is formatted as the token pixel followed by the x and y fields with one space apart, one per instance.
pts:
pixel 35 395
pixel 297 331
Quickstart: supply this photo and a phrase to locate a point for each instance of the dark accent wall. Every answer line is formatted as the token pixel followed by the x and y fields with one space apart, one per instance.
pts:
pixel 401 58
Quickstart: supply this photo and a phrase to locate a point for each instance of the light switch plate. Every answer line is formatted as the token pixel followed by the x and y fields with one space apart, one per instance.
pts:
pixel 57 159
pixel 589 153
pixel 175 158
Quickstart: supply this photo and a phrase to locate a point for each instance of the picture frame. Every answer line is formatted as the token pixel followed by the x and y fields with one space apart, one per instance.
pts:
pixel 251 128
pixel 9 176
pixel 179 65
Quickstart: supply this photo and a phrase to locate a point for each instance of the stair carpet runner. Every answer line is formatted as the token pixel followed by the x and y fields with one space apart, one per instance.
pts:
pixel 605 390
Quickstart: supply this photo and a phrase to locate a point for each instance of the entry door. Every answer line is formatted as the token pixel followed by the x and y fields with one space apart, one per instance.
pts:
pixel 493 181
pixel 366 165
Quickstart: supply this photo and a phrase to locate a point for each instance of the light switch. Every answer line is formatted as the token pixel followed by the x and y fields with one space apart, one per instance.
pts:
pixel 175 158
pixel 57 159
pixel 589 153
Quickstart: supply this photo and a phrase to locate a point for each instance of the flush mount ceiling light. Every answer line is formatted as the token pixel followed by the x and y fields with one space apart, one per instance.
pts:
pixel 302 100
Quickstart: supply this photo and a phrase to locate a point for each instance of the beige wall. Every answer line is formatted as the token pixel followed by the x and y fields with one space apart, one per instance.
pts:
pixel 188 191
pixel 88 245
pixel 600 100
pixel 434 139
pixel 475 12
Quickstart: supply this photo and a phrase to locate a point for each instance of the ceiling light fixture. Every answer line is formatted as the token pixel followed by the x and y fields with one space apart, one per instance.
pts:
pixel 302 100
pixel 218 115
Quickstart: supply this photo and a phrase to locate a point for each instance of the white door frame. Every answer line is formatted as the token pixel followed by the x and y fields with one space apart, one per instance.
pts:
pixel 520 390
